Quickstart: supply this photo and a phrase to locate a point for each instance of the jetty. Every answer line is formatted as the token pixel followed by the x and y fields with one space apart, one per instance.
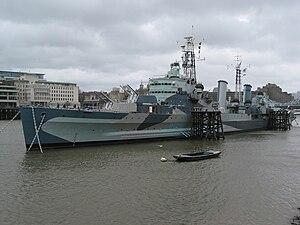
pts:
pixel 280 120
pixel 206 124
pixel 9 113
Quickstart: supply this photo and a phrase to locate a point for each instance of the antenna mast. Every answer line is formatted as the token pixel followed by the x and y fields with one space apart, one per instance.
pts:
pixel 188 59
pixel 238 78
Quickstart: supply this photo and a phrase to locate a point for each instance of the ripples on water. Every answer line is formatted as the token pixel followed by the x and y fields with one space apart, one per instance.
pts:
pixel 255 181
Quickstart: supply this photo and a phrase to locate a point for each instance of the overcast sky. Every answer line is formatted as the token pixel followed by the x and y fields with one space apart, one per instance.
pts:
pixel 100 44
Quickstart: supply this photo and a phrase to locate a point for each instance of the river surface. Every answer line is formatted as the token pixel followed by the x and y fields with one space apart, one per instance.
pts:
pixel 255 181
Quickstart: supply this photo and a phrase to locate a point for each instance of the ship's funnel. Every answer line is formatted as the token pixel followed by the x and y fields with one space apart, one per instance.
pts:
pixel 222 89
pixel 247 93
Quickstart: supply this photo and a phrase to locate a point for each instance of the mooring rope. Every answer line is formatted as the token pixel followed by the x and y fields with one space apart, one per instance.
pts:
pixel 10 121
pixel 37 129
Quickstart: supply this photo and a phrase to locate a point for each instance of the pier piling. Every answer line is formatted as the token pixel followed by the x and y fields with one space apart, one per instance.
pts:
pixel 207 125
pixel 280 120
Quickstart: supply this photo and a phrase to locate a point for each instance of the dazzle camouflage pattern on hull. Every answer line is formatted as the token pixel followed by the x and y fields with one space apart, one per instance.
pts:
pixel 164 113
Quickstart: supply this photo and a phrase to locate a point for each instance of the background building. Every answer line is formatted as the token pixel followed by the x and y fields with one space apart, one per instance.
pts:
pixel 10 75
pixel 296 95
pixel 33 89
pixel 8 94
pixel 275 93
pixel 117 94
pixel 61 94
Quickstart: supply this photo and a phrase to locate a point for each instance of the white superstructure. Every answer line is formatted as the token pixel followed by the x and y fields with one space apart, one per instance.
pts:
pixel 170 84
pixel 174 82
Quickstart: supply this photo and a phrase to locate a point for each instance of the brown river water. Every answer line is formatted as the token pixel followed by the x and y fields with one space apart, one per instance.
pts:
pixel 255 181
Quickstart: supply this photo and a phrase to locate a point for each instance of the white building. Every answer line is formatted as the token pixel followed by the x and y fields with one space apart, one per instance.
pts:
pixel 35 91
pixel 62 94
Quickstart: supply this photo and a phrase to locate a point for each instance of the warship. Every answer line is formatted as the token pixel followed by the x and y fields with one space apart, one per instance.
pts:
pixel 165 112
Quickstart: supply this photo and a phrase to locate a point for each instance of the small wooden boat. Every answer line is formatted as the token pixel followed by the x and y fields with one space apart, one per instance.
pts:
pixel 186 157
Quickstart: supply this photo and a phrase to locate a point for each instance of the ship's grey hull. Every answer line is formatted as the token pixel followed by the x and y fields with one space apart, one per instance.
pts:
pixel 64 127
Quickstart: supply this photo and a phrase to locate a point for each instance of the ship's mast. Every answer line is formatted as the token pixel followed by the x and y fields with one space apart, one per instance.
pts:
pixel 238 78
pixel 188 59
